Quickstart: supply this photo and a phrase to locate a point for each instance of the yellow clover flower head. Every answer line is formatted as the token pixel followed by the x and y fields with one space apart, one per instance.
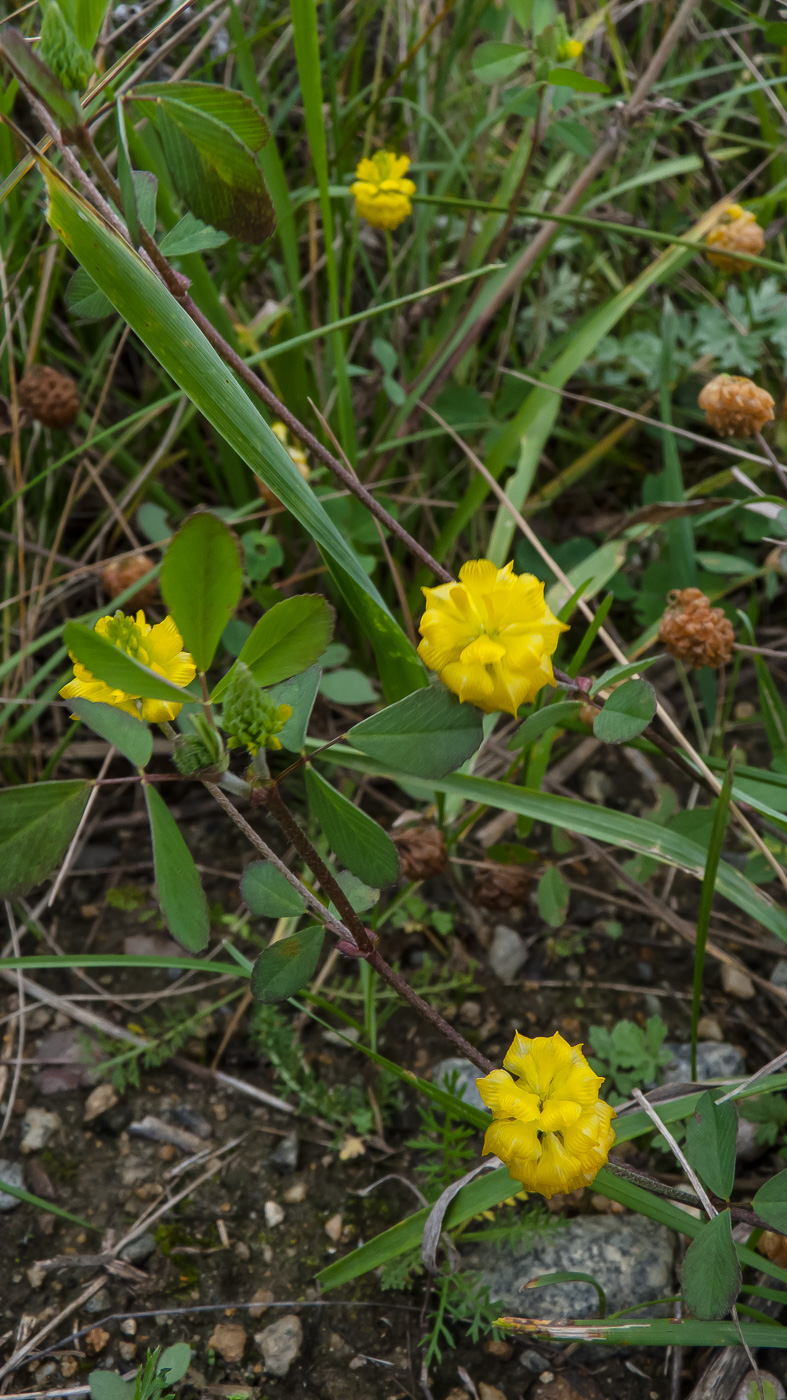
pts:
pixel 570 48
pixel 490 636
pixel 382 194
pixel 159 647
pixel 549 1125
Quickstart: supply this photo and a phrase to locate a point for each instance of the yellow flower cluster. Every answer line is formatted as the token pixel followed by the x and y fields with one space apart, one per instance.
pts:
pixel 570 48
pixel 550 1128
pixel 382 194
pixel 490 636
pixel 159 647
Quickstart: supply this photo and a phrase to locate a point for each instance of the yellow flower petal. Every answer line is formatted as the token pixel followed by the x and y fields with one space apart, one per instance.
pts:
pixel 506 1099
pixel 558 1114
pixel 557 1170
pixel 380 191
pixel 551 1129
pixel 160 711
pixel 481 573
pixel 159 647
pixel 508 1139
pixel 490 637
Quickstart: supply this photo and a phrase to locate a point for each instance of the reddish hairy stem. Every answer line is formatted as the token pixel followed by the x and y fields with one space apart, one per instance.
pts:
pixel 295 833
pixel 177 285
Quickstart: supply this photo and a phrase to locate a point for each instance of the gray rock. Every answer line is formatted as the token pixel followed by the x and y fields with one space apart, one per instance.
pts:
pixel 737 982
pixel 747 1148
pixel 779 974
pixel 99 1303
pixel 507 952
pixel 534 1361
pixel 749 1389
pixel 466 1076
pixel 38 1126
pixel 12 1173
pixel 139 1249
pixel 714 1061
pixel 191 1121
pixel 285 1156
pixel 280 1344
pixel 629 1256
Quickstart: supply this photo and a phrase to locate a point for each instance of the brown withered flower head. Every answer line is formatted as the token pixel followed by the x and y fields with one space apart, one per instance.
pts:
pixel 49 396
pixel 119 574
pixel 694 632
pixel 422 851
pixel 740 234
pixel 500 887
pixel 734 406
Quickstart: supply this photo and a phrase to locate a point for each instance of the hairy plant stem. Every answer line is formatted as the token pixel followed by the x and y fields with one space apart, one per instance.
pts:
pixel 686 1198
pixel 309 899
pixel 178 285
pixel 356 928
pixel 273 800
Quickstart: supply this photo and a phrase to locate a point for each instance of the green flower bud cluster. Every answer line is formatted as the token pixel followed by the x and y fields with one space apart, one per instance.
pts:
pixel 553 44
pixel 61 50
pixel 200 751
pixel 250 718
pixel 124 632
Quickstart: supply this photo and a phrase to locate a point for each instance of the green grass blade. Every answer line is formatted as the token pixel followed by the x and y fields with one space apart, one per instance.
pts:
pixel 535 419
pixel 40 1204
pixel 32 961
pixel 307 53
pixel 186 355
pixel 720 817
pixel 486 1192
pixel 585 819
pixel 653 1332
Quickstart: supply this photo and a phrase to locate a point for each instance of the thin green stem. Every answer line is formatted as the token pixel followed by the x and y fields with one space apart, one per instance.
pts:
pixel 720 817
pixel 691 702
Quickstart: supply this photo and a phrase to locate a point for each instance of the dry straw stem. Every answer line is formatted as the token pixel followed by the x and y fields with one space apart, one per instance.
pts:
pixel 76 1012
pixel 353 929
pixel 596 164
pixel 683 1161
pixel 142 1223
pixel 712 443
pixel 177 286
pixel 27 163
pixel 672 728
pixel 662 912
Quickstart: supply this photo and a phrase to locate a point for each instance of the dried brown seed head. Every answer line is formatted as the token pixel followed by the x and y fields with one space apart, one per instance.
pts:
pixel 694 632
pixel 49 396
pixel 501 887
pixel 422 851
pixel 740 235
pixel 773 1246
pixel 119 574
pixel 734 406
